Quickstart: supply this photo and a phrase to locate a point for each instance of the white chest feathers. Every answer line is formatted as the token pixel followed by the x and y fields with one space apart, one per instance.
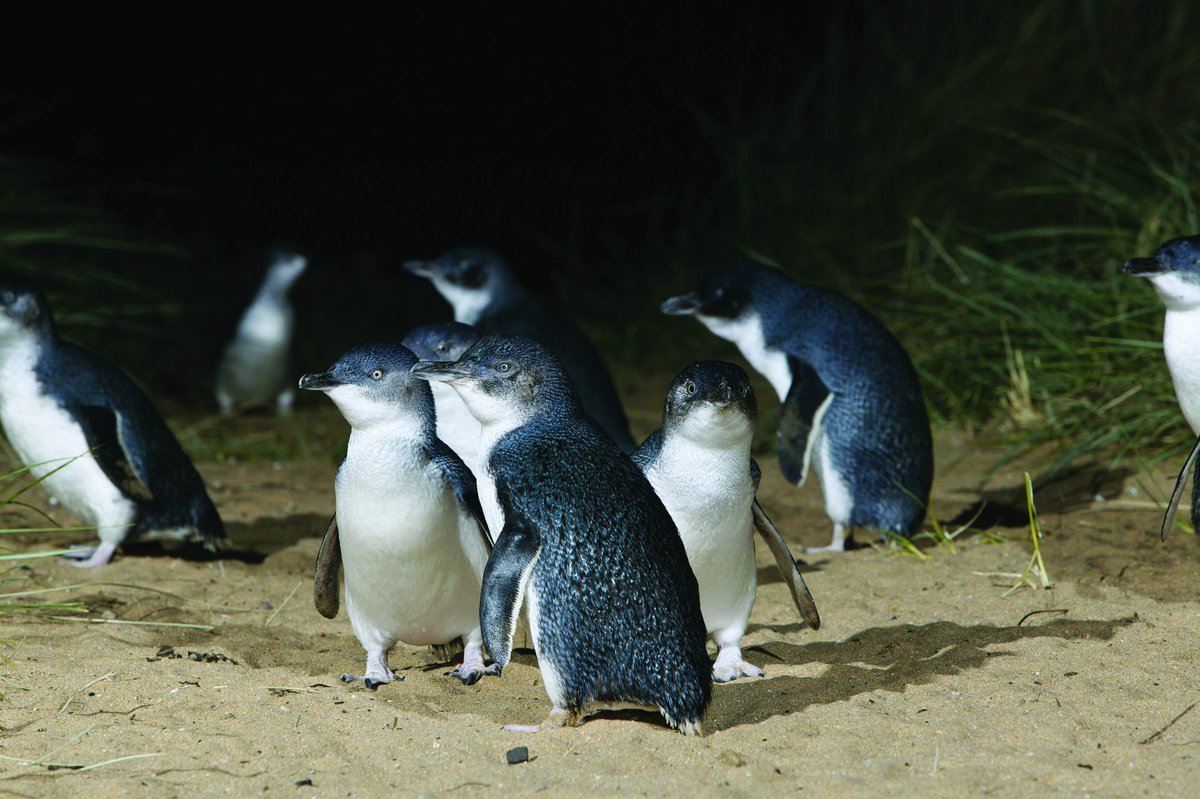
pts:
pixel 468 303
pixel 1181 346
pixel 45 437
pixel 413 561
pixel 455 424
pixel 747 333
pixel 1181 339
pixel 709 493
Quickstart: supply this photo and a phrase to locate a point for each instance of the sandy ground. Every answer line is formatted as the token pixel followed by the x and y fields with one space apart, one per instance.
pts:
pixel 924 679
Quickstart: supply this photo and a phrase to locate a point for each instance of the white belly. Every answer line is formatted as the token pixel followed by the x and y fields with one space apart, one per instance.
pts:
pixel 709 496
pixel 413 564
pixel 551 677
pixel 45 437
pixel 839 504
pixel 1181 346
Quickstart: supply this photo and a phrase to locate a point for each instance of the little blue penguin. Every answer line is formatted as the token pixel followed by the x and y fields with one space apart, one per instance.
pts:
pixel 78 422
pixel 484 293
pixel 1174 271
pixel 254 368
pixel 851 399
pixel 614 610
pixel 447 341
pixel 700 466
pixel 408 529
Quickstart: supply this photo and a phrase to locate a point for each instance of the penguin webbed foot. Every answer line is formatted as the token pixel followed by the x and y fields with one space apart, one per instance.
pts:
pixel 371 682
pixel 470 676
pixel 730 665
pixel 91 558
pixel 730 672
pixel 377 672
pixel 843 541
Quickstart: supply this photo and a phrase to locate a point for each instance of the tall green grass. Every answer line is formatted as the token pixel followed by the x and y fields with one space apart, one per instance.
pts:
pixel 976 175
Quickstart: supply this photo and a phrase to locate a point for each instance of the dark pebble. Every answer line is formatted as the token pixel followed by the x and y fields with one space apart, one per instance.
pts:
pixel 518 754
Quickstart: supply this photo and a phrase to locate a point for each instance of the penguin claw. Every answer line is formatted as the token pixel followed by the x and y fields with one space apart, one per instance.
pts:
pixel 474 675
pixel 734 670
pixel 91 558
pixel 371 682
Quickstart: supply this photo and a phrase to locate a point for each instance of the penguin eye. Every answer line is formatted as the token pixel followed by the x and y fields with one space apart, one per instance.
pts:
pixel 441 347
pixel 503 367
pixel 689 388
pixel 377 374
pixel 1169 254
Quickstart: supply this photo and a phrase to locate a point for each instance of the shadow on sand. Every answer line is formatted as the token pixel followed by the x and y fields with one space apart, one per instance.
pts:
pixel 878 658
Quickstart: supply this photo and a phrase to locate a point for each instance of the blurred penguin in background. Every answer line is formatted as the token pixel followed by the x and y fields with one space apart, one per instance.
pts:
pixel 254 369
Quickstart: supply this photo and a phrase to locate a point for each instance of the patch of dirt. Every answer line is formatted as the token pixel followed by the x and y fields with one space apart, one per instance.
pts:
pixel 925 679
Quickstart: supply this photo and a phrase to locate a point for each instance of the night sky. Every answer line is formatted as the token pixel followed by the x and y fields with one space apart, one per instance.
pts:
pixel 356 134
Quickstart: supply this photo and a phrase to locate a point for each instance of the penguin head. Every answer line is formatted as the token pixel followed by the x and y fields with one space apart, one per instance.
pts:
pixel 444 341
pixel 467 278
pixel 371 386
pixel 285 269
pixel 711 402
pixel 24 311
pixel 505 380
pixel 724 303
pixel 1174 270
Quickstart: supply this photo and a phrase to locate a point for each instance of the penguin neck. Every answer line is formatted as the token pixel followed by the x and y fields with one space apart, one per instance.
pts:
pixel 276 287
pixel 746 331
pixel 1179 294
pixel 389 444
pixel 707 435
pixel 24 350
pixel 269 317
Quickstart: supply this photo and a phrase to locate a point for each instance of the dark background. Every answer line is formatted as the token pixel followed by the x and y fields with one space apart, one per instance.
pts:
pixel 901 152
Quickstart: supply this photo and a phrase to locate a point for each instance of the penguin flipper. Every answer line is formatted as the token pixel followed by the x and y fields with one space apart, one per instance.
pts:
pixel 787 567
pixel 462 480
pixel 102 430
pixel 325 578
pixel 1173 506
pixel 798 420
pixel 504 582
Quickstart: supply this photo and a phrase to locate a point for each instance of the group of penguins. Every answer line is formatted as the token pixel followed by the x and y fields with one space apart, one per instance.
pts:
pixel 490 467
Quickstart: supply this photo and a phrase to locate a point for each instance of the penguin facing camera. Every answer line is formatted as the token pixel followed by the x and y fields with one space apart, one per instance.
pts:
pixel 447 341
pixel 700 466
pixel 485 294
pixel 851 400
pixel 408 530
pixel 254 368
pixel 1174 271
pixel 583 541
pixel 78 422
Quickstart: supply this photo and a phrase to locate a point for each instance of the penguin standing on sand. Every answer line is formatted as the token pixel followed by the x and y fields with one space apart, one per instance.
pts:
pixel 254 368
pixel 447 341
pixel 485 294
pixel 700 466
pixel 78 422
pixel 614 610
pixel 851 399
pixel 408 529
pixel 1174 271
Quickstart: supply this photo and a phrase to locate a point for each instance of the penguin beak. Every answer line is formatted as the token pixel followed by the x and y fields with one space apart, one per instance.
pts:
pixel 419 268
pixel 319 381
pixel 1143 267
pixel 438 371
pixel 683 305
